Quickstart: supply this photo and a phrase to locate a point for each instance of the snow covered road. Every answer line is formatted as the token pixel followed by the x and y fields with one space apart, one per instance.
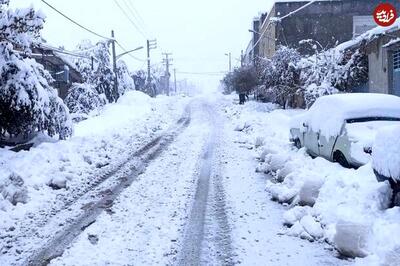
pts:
pixel 189 197
pixel 199 203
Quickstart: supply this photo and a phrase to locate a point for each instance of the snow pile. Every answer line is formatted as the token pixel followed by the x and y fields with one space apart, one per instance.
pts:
pixel 99 144
pixel 328 203
pixel 341 107
pixel 386 156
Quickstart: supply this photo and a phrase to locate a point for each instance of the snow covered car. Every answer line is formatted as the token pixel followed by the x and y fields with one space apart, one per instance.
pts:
pixel 342 127
pixel 386 159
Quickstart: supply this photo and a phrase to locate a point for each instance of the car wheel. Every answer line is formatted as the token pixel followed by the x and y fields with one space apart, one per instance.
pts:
pixel 396 199
pixel 297 143
pixel 341 159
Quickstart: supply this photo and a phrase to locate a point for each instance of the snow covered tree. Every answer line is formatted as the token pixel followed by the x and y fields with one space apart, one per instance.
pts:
pixel 242 80
pixel 27 102
pixel 125 81
pixel 83 98
pixel 280 77
pixel 102 75
pixel 353 70
pixel 139 77
pixel 317 74
pixel 332 71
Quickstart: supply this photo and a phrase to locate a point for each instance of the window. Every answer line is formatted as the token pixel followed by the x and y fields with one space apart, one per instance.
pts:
pixel 396 61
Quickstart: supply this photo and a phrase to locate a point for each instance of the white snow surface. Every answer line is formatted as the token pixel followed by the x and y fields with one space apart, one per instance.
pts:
pixel 343 197
pixel 386 155
pixel 99 143
pixel 328 113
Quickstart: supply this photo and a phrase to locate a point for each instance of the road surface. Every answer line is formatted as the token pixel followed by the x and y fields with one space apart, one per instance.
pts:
pixel 189 197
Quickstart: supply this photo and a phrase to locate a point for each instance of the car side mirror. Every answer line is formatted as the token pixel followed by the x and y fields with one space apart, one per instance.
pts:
pixel 305 125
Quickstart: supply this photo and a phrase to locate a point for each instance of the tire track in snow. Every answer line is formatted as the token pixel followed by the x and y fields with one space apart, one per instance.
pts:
pixel 140 159
pixel 208 226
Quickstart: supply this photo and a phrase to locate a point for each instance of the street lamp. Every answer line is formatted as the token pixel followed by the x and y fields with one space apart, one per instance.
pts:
pixel 259 33
pixel 230 61
pixel 127 52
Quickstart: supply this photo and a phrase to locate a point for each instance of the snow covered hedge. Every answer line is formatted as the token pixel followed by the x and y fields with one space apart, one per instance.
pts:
pixel 292 80
pixel 27 102
pixel 83 98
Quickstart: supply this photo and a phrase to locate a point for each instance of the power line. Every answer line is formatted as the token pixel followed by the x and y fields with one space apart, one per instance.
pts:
pixel 135 14
pixel 62 51
pixel 281 18
pixel 76 23
pixel 130 20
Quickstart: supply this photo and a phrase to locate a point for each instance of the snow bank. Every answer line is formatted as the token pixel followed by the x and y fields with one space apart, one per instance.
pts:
pixel 386 155
pixel 341 107
pixel 54 168
pixel 344 207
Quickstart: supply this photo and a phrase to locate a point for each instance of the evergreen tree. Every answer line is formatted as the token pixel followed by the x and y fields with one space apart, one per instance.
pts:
pixel 101 77
pixel 27 102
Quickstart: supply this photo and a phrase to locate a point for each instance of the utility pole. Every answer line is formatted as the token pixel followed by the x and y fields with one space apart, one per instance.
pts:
pixel 167 62
pixel 175 79
pixel 230 61
pixel 114 55
pixel 151 44
pixel 241 59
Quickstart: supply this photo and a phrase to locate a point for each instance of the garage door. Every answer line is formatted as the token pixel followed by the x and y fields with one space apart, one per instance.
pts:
pixel 396 72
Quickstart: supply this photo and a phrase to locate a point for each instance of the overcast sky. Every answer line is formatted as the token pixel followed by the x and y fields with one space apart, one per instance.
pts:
pixel 198 33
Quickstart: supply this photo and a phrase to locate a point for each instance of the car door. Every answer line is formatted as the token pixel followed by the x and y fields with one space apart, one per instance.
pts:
pixel 311 140
pixel 325 145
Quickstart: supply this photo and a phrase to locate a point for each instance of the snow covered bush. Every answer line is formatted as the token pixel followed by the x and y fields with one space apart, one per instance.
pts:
pixel 332 71
pixel 101 76
pixel 241 80
pixel 294 81
pixel 280 77
pixel 83 98
pixel 27 102
pixel 139 78
pixel 125 81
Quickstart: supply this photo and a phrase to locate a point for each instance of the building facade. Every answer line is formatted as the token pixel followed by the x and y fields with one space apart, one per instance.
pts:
pixel 325 23
pixel 63 72
pixel 384 63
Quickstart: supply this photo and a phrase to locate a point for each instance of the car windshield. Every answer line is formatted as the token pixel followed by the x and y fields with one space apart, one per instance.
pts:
pixel 365 129
pixel 371 119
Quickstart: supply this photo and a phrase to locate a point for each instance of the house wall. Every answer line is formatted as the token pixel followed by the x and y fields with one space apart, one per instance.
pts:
pixel 380 62
pixel 267 43
pixel 328 22
pixel 378 68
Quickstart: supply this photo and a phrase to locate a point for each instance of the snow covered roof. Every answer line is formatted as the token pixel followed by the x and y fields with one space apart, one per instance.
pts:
pixel 369 35
pixel 329 112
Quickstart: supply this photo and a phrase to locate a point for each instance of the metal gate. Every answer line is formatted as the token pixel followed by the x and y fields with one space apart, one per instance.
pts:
pixel 396 73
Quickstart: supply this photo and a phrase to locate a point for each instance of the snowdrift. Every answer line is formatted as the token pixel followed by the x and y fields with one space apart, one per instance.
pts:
pixel 32 180
pixel 344 207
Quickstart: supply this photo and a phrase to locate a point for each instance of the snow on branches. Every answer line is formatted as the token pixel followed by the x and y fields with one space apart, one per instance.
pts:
pixel 100 74
pixel 292 80
pixel 27 102
pixel 83 98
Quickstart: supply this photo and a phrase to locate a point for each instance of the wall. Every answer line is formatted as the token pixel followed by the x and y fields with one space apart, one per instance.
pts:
pixel 328 22
pixel 381 64
pixel 267 43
